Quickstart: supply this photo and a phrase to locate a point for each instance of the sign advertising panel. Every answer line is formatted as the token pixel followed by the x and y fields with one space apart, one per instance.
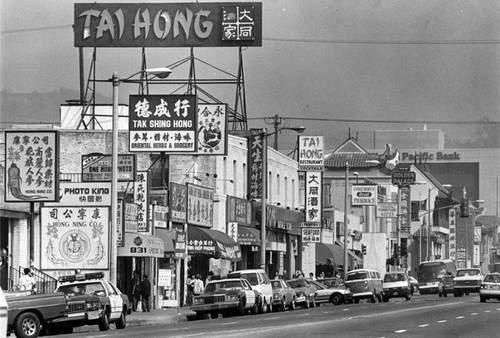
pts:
pixel 84 193
pixel 477 234
pixel 311 153
pixel 162 123
pixel 178 202
pixel 160 216
pixel 130 217
pixel 207 24
pixel 403 178
pixel 239 210
pixel 476 255
pixel 311 235
pixel 212 129
pixel 452 218
pixel 256 166
pixel 119 223
pixel 180 244
pixel 387 210
pixel 141 198
pixel 364 194
pixel 404 209
pixel 232 231
pixel 314 188
pixel 31 166
pixel 74 237
pixel 97 167
pixel 200 209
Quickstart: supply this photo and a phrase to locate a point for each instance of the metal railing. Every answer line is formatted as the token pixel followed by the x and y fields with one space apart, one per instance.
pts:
pixel 44 282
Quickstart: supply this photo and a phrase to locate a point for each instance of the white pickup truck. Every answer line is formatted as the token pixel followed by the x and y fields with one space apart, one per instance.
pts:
pixel 467 281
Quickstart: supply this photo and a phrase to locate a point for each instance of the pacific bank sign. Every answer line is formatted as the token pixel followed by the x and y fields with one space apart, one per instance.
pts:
pixel 426 156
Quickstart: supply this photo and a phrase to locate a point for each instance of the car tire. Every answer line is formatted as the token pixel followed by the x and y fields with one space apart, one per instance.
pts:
pixel 336 299
pixel 293 305
pixel 200 315
pixel 104 322
pixel 373 298
pixel 215 314
pixel 313 302
pixel 385 299
pixel 255 308
pixel 482 299
pixel 282 305
pixel 122 321
pixel 263 306
pixel 270 306
pixel 241 307
pixel 356 300
pixel 307 305
pixel 408 295
pixel 27 325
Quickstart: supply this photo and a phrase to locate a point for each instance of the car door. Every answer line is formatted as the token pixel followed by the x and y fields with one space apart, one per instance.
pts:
pixel 249 293
pixel 115 300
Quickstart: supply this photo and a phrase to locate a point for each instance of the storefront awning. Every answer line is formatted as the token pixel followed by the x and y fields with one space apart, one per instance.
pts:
pixel 248 236
pixel 213 243
pixel 167 236
pixel 325 252
pixel 141 245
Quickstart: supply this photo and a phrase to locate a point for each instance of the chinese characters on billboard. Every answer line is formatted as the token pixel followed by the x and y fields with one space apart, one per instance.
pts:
pixel 200 209
pixel 97 167
pixel 404 209
pixel 178 202
pixel 212 129
pixel 141 198
pixel 314 185
pixel 256 162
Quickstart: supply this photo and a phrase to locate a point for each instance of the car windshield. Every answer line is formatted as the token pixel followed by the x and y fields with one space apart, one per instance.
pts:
pixel 298 284
pixel 393 277
pixel 461 273
pixel 492 278
pixel 82 289
pixel 357 275
pixel 221 286
pixel 251 278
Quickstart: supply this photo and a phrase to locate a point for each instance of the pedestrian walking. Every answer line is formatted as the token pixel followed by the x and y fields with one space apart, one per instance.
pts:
pixel 136 295
pixel 145 290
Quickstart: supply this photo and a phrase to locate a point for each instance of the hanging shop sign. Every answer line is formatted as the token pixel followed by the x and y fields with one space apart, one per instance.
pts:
pixel 311 153
pixel 74 237
pixel 239 210
pixel 200 209
pixel 257 156
pixel 178 202
pixel 452 219
pixel 31 166
pixel 160 216
pixel 162 123
pixel 387 210
pixel 84 193
pixel 364 194
pixel 130 217
pixel 97 167
pixel 477 234
pixel 119 223
pixel 314 185
pixel 141 199
pixel 212 129
pixel 404 209
pixel 311 235
pixel 207 24
pixel 180 244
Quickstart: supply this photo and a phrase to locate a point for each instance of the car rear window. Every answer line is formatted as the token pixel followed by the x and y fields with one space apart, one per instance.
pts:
pixel 492 278
pixel 251 278
pixel 357 275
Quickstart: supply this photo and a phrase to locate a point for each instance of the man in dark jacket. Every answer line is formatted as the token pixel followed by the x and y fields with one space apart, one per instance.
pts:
pixel 145 293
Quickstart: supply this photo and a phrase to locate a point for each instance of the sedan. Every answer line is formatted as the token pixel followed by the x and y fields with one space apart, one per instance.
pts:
pixel 283 295
pixel 305 291
pixel 335 295
pixel 490 287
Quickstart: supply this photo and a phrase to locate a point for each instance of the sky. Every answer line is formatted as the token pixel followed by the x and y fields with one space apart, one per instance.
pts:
pixel 378 60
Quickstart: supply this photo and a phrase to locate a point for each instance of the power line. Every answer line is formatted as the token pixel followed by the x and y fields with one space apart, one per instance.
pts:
pixel 376 121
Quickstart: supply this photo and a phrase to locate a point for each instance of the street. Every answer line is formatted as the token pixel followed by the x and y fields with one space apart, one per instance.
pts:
pixel 423 316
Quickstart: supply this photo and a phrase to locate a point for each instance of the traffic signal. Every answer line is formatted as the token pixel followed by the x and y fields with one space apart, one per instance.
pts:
pixel 404 243
pixel 464 208
pixel 363 249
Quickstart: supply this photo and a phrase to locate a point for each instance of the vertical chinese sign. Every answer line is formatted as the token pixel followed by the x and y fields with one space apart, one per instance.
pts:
pixel 200 209
pixel 32 166
pixel 404 209
pixel 257 154
pixel 212 129
pixel 452 218
pixel 178 202
pixel 141 198
pixel 238 22
pixel 314 185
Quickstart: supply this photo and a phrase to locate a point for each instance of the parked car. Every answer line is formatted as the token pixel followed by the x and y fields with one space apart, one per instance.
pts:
pixel 283 295
pixel 445 285
pixel 467 281
pixel 336 295
pixel 259 280
pixel 365 283
pixel 490 287
pixel 305 290
pixel 225 296
pixel 116 305
pixel 397 284
pixel 4 308
pixel 414 283
pixel 333 282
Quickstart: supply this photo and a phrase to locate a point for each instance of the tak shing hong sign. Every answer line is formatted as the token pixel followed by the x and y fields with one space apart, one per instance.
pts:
pixel 162 123
pixel 221 24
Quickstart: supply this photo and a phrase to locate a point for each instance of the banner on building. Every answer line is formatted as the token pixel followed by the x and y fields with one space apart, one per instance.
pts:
pixel 364 194
pixel 313 202
pixel 31 166
pixel 204 24
pixel 178 202
pixel 311 153
pixel 141 199
pixel 97 167
pixel 200 209
pixel 74 238
pixel 452 218
pixel 404 209
pixel 162 123
pixel 83 194
pixel 257 157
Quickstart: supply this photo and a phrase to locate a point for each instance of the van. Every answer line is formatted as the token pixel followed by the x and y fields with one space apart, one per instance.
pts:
pixel 259 280
pixel 365 283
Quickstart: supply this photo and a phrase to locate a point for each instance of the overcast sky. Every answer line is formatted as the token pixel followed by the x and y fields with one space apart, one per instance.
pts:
pixel 404 60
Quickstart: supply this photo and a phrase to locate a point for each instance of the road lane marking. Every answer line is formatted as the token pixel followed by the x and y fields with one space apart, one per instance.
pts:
pixel 423 325
pixel 487 310
pixel 271 318
pixel 400 331
pixel 473 314
pixel 442 321
pixel 230 323
pixel 459 317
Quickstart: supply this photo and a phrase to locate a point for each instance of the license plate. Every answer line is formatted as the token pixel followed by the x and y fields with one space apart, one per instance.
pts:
pixel 91 315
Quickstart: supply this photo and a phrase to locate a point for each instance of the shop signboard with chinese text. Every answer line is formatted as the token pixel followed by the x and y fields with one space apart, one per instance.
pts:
pixel 97 167
pixel 160 216
pixel 200 210
pixel 180 244
pixel 130 217
pixel 311 153
pixel 178 202
pixel 141 199
pixel 313 202
pixel 311 235
pixel 477 234
pixel 476 255
pixel 256 160
pixel 364 194
pixel 162 123
pixel 452 218
pixel 403 177
pixel 74 237
pixel 193 24
pixel 404 209
pixel 212 129
pixel 239 210
pixel 84 194
pixel 387 210
pixel 31 166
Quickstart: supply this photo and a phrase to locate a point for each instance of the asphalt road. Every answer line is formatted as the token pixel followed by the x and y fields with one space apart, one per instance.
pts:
pixel 423 316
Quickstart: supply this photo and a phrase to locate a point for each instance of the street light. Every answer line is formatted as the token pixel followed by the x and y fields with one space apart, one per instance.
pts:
pixel 162 73
pixel 346 219
pixel 276 121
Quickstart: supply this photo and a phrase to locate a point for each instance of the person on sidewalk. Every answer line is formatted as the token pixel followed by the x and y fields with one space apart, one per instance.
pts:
pixel 190 288
pixel 198 285
pixel 27 282
pixel 145 290
pixel 136 295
